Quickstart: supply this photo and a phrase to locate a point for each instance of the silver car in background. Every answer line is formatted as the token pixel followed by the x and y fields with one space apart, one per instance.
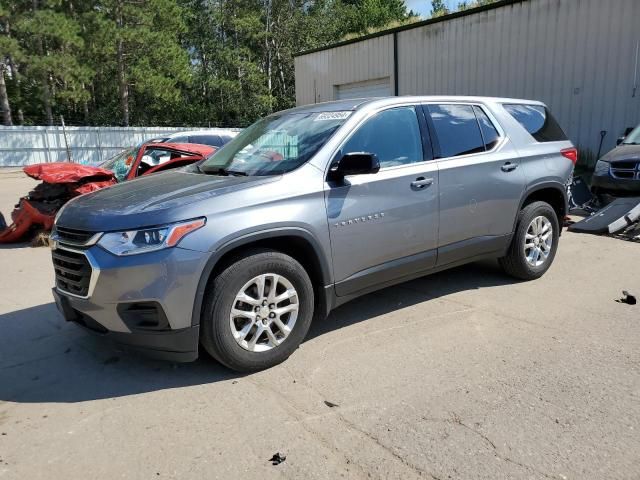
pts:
pixel 214 137
pixel 305 210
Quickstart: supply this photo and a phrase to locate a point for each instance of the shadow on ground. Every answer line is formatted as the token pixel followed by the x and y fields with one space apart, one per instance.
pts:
pixel 43 359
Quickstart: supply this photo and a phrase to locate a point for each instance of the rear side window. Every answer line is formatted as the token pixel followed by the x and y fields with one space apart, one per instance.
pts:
pixel 213 140
pixel 538 121
pixel 457 130
pixel 489 133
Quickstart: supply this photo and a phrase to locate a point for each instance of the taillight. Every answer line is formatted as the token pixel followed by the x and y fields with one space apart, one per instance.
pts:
pixel 571 154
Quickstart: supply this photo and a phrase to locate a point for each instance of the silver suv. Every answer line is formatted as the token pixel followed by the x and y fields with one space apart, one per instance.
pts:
pixel 305 210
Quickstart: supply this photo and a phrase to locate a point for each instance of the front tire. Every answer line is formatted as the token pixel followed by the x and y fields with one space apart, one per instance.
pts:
pixel 534 243
pixel 257 311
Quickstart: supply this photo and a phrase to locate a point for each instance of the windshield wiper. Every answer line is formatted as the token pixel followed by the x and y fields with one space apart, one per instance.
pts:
pixel 224 172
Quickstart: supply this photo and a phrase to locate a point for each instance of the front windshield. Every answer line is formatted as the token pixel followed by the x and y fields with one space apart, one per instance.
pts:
pixel 633 138
pixel 121 163
pixel 276 144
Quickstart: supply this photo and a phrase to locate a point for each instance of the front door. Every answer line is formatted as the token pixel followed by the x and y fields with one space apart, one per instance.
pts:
pixel 480 182
pixel 384 226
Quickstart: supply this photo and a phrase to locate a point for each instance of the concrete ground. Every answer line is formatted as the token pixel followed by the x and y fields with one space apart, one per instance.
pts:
pixel 462 375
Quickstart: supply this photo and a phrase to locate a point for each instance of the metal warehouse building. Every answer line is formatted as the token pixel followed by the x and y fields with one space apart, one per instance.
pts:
pixel 581 57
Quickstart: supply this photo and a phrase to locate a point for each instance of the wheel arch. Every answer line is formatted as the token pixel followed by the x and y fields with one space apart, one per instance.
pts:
pixel 295 242
pixel 554 193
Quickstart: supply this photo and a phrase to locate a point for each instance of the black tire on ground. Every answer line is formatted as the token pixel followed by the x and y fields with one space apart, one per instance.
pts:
pixel 215 332
pixel 514 262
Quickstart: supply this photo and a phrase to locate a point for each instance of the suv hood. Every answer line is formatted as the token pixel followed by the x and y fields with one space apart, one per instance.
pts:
pixel 623 152
pixel 154 200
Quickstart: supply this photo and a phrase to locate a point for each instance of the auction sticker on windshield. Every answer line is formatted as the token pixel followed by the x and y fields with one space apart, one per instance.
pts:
pixel 332 116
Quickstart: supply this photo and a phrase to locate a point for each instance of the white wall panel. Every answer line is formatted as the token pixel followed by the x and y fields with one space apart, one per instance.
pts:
pixel 29 145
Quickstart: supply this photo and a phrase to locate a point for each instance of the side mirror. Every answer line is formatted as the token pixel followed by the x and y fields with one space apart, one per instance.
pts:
pixel 355 163
pixel 620 140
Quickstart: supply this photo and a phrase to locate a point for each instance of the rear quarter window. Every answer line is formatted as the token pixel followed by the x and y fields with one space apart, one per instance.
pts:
pixel 213 140
pixel 538 121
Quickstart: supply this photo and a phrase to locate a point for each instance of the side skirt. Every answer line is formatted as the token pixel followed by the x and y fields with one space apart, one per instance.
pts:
pixel 390 273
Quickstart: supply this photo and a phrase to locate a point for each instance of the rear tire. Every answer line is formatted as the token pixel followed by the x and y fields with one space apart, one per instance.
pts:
pixel 534 244
pixel 242 332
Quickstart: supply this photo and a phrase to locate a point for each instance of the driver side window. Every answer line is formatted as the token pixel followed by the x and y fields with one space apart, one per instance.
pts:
pixel 393 135
pixel 154 157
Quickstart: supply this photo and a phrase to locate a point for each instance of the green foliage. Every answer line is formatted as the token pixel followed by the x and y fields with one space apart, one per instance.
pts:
pixel 361 15
pixel 468 4
pixel 438 8
pixel 168 62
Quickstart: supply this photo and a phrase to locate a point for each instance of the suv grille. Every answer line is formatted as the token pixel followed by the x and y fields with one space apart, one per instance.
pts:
pixel 76 237
pixel 626 169
pixel 73 272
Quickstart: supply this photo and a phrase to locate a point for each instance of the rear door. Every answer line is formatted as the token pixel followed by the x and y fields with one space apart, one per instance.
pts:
pixel 481 183
pixel 384 226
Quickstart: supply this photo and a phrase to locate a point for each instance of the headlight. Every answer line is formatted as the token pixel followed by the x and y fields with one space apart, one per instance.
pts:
pixel 602 168
pixel 133 242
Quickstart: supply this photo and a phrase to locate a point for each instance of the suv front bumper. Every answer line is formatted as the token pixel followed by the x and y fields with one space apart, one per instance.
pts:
pixel 607 184
pixel 144 302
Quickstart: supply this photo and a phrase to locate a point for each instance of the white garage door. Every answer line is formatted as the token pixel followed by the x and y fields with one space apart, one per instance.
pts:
pixel 380 87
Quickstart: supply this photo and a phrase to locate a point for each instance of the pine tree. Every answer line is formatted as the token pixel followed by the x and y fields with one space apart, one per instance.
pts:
pixel 139 44
pixel 9 51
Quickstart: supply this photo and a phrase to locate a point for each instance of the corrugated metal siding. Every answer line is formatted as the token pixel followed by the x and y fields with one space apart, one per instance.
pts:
pixel 379 87
pixel 29 145
pixel 318 75
pixel 578 56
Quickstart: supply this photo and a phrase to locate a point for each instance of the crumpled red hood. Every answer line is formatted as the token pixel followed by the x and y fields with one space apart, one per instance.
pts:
pixel 62 172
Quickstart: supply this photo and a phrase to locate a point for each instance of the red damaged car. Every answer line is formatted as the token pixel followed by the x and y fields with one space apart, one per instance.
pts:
pixel 62 181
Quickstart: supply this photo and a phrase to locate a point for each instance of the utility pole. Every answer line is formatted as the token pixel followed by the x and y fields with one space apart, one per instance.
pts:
pixel 66 142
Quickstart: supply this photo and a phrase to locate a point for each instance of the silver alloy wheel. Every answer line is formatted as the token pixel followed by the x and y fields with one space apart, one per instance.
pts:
pixel 264 312
pixel 538 241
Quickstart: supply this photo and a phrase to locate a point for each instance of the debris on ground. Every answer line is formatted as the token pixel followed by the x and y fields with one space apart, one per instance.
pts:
pixel 41 239
pixel 627 298
pixel 620 217
pixel 330 404
pixel 277 459
pixel 580 197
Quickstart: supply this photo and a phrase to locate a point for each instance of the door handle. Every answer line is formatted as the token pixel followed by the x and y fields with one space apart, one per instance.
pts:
pixel 509 167
pixel 421 182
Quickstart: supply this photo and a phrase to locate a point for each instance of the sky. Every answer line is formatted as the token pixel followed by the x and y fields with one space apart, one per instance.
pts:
pixel 423 7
